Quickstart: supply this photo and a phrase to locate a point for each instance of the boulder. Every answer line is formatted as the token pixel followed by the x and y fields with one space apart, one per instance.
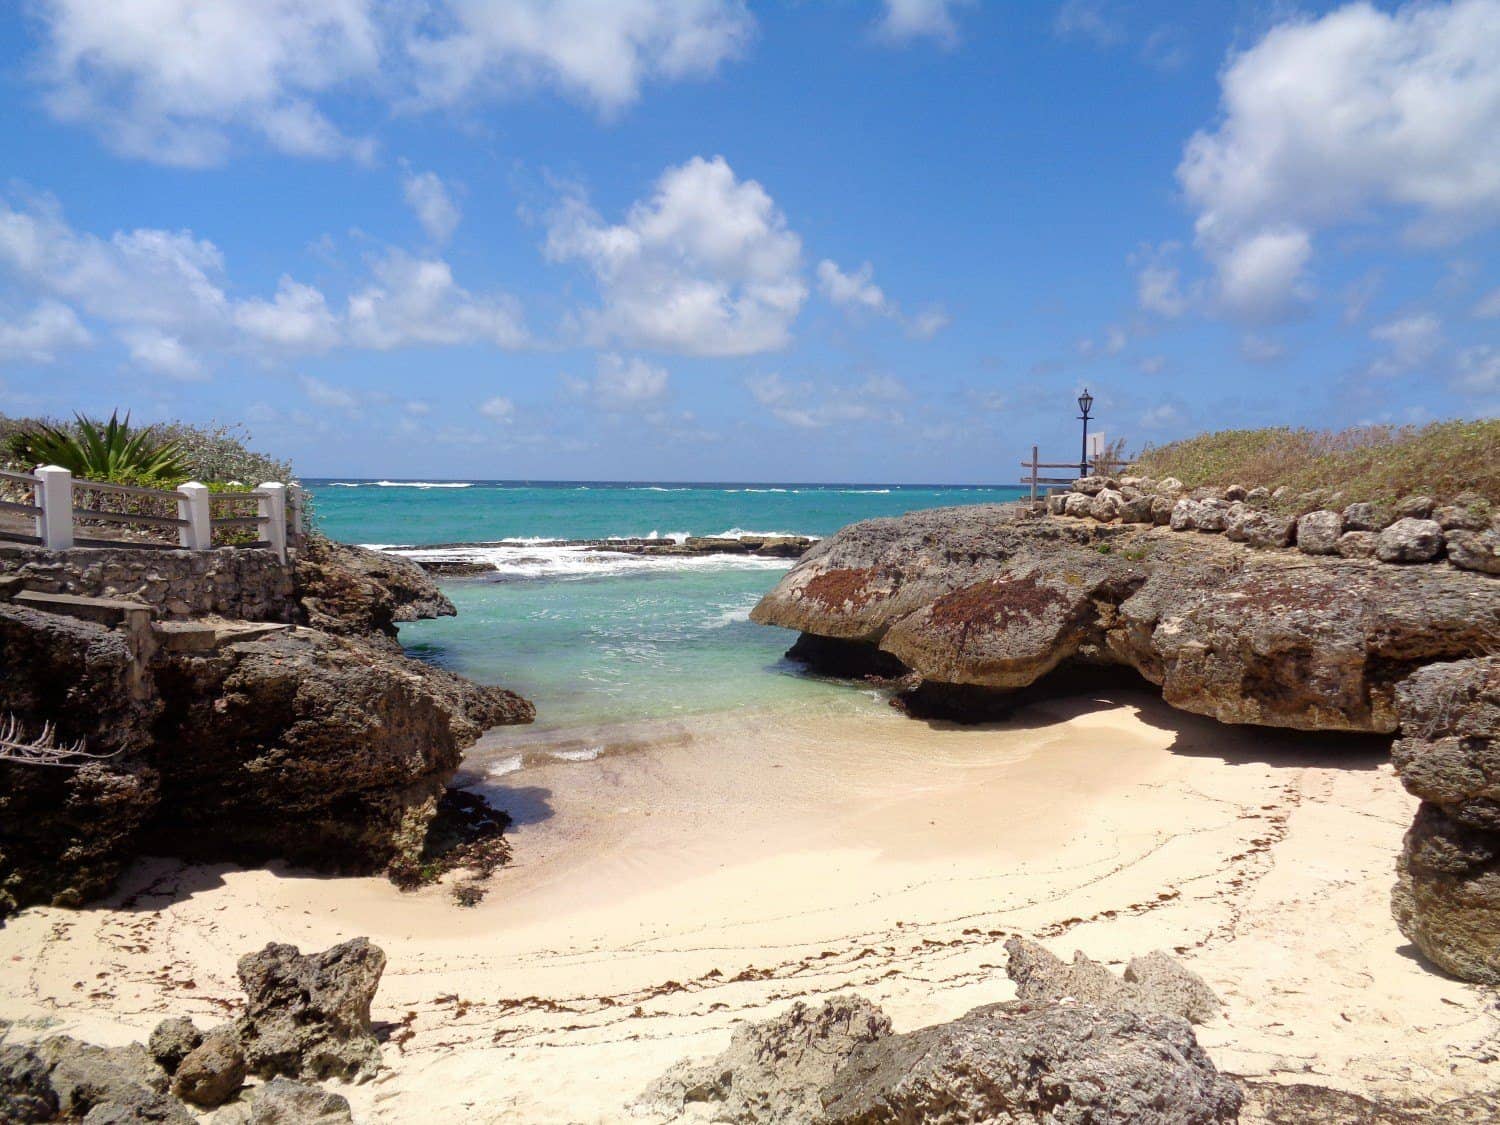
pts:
pixel 282 1102
pixel 1410 540
pixel 1137 509
pixel 26 1092
pixel 1185 515
pixel 775 1071
pixel 1318 532
pixel 1161 510
pixel 1015 1063
pixel 173 1040
pixel 1170 485
pixel 139 1106
pixel 1156 982
pixel 309 1016
pixel 1106 505
pixel 1447 896
pixel 1092 485
pixel 209 1075
pixel 1259 496
pixel 1365 516
pixel 1473 516
pixel 1078 505
pixel 1057 504
pixel 1263 530
pixel 116 1084
pixel 1475 550
pixel 1414 507
pixel 1357 544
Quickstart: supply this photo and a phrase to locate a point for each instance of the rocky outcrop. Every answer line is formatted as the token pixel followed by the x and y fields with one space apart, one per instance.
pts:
pixel 354 591
pixel 1447 895
pixel 989 599
pixel 1156 982
pixel 305 1015
pixel 840 1064
pixel 1272 1103
pixel 1014 1062
pixel 309 1016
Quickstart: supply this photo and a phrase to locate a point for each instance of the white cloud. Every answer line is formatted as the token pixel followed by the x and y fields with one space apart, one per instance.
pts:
pixel 416 301
pixel 1261 277
pixel 168 79
pixel 327 395
pixel 1158 283
pixel 163 294
pixel 1478 370
pixel 1332 118
pixel 705 266
pixel 806 407
pixel 297 318
pixel 620 383
pixel 602 53
pixel 1152 364
pixel 1411 342
pixel 1087 19
pixel 1162 417
pixel 162 354
pixel 430 199
pixel 39 335
pixel 498 409
pixel 905 20
pixel 177 81
pixel 1488 307
pixel 857 292
pixel 1115 339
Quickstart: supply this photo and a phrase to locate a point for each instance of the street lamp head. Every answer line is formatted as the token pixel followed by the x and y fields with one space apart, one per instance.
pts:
pixel 1085 401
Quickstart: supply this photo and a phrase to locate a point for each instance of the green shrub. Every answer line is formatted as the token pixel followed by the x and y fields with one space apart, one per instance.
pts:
pixel 100 450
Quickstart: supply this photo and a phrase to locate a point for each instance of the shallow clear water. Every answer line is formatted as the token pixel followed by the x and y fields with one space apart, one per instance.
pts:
pixel 596 638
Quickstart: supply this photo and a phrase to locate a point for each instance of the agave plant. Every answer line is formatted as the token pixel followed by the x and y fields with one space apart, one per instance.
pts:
pixel 110 450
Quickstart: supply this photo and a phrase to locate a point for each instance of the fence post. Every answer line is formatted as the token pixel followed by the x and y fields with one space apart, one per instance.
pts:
pixel 54 496
pixel 272 507
pixel 298 500
pixel 1033 475
pixel 198 535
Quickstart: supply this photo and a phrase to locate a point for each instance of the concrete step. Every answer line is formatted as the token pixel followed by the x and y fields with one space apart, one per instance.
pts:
pixel 209 634
pixel 103 611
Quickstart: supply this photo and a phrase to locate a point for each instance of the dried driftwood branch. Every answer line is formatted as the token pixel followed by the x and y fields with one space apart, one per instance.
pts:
pixel 42 750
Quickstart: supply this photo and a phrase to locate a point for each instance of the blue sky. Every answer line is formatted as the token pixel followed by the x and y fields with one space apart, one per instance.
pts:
pixel 710 240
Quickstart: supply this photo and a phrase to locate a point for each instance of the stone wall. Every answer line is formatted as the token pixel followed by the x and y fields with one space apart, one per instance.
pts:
pixel 239 582
pixel 1415 529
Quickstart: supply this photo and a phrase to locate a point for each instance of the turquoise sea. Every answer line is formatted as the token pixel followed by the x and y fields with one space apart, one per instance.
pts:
pixel 597 638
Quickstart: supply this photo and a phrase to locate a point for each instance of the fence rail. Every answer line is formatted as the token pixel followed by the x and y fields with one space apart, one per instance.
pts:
pixel 1076 469
pixel 280 520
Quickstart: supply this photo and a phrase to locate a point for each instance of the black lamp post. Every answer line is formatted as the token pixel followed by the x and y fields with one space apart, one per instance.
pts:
pixel 1085 404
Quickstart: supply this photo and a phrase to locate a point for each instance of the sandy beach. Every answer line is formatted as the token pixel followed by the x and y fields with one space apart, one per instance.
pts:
pixel 701 873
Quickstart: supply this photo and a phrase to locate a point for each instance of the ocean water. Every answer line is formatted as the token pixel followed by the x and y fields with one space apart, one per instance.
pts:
pixel 595 638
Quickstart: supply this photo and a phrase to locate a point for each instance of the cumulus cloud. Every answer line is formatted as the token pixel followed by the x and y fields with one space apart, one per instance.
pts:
pixel 325 394
pixel 902 21
pixel 1164 416
pixel 805 406
pixel 498 409
pixel 432 203
pixel 1478 371
pixel 705 266
pixel 1158 281
pixel 857 292
pixel 1341 116
pixel 39 335
pixel 600 53
pixel 1089 20
pixel 176 80
pixel 1113 343
pixel 620 383
pixel 164 295
pixel 1411 341
pixel 413 300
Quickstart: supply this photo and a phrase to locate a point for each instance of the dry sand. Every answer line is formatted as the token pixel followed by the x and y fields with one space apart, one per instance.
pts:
pixel 697 875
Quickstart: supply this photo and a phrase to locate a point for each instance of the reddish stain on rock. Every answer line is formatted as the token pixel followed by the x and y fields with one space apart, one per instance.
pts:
pixel 835 589
pixel 995 602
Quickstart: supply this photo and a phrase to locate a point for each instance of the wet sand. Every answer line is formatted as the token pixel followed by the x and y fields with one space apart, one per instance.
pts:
pixel 697 874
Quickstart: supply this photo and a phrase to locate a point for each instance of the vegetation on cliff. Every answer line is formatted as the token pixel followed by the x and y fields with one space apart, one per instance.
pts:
pixel 1365 463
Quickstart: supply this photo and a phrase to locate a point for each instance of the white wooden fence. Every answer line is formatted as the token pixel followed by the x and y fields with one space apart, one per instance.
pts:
pixel 280 519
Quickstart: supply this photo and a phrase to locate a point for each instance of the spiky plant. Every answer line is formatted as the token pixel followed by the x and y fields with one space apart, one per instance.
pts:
pixel 112 450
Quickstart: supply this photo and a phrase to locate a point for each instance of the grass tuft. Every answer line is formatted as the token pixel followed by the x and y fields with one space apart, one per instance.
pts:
pixel 1373 463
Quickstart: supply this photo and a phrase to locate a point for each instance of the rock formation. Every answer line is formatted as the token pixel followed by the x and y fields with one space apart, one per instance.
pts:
pixel 978 601
pixel 331 750
pixel 1156 982
pixel 309 1016
pixel 306 1015
pixel 840 1064
pixel 1447 895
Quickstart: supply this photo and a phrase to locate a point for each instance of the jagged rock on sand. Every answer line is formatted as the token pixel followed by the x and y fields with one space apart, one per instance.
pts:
pixel 773 1072
pixel 210 1074
pixel 1447 895
pixel 1015 1062
pixel 173 1040
pixel 308 1015
pixel 1156 982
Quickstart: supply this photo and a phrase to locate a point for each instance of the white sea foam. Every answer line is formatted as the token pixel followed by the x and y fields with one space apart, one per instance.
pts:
pixel 588 754
pixel 423 484
pixel 508 764
pixel 551 561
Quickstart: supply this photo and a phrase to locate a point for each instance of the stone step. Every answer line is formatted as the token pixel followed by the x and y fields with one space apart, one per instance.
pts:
pixel 103 611
pixel 207 635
